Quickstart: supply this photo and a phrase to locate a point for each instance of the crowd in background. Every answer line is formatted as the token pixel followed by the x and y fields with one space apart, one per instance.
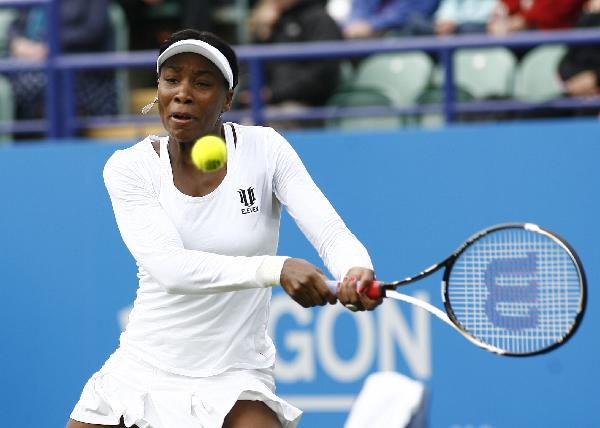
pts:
pixel 86 26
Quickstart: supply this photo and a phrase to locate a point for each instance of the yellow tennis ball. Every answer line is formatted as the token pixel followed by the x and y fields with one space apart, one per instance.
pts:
pixel 209 153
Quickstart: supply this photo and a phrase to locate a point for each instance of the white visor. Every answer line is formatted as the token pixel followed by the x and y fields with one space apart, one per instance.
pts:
pixel 201 48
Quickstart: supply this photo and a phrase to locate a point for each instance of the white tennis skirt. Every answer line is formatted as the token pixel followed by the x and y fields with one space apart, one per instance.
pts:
pixel 152 398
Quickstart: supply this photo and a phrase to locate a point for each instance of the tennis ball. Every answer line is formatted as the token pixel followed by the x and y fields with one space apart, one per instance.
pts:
pixel 209 153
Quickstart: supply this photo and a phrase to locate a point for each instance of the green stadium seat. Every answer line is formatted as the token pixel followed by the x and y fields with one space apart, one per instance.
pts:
pixel 235 13
pixel 347 74
pixel 7 106
pixel 362 97
pixel 401 76
pixel 537 77
pixel 120 29
pixel 486 72
pixel 7 103
pixel 435 95
pixel 165 9
pixel 481 73
pixel 6 17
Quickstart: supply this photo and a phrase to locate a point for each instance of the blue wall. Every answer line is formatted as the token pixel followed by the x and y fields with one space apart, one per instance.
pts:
pixel 410 196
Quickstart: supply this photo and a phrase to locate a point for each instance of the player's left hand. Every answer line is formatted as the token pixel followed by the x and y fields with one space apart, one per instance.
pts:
pixel 355 298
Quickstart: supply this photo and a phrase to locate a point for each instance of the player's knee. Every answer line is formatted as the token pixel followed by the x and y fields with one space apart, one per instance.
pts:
pixel 251 414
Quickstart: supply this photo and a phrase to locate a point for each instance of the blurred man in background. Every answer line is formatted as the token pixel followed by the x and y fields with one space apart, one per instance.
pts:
pixel 580 68
pixel 374 18
pixel 517 15
pixel 84 27
pixel 293 84
pixel 151 21
pixel 462 16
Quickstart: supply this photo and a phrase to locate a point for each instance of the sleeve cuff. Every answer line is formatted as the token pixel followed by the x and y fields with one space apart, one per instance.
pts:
pixel 269 272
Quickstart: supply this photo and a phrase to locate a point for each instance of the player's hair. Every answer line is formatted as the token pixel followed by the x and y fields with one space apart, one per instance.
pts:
pixel 211 39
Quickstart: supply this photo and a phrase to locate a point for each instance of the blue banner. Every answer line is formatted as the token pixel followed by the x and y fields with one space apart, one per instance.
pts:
pixel 410 196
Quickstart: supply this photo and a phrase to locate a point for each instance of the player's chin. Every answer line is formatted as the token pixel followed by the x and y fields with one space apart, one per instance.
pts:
pixel 183 133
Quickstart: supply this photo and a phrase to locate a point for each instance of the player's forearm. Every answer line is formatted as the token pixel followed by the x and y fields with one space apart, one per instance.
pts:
pixel 181 271
pixel 345 252
pixel 157 248
pixel 339 249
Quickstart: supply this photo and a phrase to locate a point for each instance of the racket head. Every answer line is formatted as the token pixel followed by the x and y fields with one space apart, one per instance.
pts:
pixel 515 289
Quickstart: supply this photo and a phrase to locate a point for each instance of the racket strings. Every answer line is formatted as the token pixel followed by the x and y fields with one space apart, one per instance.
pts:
pixel 516 290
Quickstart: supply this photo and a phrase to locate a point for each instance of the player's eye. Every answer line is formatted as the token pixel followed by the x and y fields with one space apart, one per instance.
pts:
pixel 170 80
pixel 204 83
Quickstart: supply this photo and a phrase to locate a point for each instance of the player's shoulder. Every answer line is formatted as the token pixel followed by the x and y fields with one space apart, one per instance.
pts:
pixel 140 151
pixel 138 156
pixel 254 135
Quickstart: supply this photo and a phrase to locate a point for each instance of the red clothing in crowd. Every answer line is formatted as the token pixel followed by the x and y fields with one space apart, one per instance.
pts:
pixel 546 14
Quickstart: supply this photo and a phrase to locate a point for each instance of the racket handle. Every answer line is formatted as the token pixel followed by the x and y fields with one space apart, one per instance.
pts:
pixel 375 291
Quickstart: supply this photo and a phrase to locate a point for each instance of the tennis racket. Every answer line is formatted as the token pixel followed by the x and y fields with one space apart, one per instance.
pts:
pixel 512 289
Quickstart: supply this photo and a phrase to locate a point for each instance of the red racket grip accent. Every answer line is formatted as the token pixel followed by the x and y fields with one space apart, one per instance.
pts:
pixel 374 291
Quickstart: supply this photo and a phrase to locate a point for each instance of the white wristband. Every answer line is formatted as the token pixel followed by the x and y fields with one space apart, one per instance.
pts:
pixel 269 272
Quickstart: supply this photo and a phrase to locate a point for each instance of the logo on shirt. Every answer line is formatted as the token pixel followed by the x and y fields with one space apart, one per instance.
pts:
pixel 247 198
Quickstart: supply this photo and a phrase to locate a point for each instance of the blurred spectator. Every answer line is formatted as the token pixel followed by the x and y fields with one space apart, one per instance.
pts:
pixel 520 15
pixel 374 18
pixel 84 27
pixel 339 10
pixel 294 83
pixel 580 68
pixel 462 16
pixel 147 28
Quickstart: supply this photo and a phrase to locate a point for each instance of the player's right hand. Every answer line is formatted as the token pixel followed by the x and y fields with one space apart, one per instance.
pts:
pixel 305 283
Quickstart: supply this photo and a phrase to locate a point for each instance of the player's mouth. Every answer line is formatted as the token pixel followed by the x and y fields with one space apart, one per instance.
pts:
pixel 182 118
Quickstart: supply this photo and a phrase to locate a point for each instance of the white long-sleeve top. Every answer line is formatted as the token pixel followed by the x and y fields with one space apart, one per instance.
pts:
pixel 206 264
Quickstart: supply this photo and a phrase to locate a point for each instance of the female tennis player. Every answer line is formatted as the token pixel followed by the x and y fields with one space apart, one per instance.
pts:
pixel 196 351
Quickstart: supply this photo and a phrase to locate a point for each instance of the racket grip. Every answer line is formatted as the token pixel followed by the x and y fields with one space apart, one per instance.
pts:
pixel 374 291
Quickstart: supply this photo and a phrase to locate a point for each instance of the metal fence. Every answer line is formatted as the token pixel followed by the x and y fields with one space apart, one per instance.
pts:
pixel 62 120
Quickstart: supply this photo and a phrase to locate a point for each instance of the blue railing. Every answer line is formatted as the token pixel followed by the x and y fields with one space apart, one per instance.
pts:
pixel 62 120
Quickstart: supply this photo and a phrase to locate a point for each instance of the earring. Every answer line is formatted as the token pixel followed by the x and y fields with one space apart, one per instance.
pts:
pixel 149 106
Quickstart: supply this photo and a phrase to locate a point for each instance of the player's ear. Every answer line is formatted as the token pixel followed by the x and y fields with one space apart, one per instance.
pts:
pixel 228 101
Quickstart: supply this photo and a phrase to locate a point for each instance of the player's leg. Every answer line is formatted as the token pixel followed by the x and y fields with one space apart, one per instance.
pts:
pixel 76 424
pixel 251 414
